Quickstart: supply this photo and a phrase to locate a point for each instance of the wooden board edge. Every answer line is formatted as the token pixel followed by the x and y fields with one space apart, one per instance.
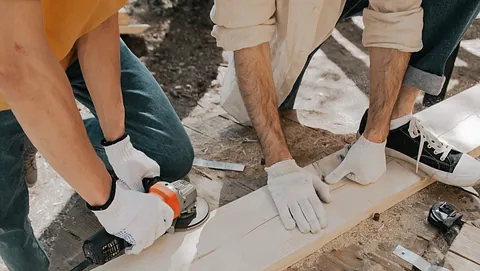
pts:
pixel 133 28
pixel 123 17
pixel 455 262
pixel 475 153
pixel 462 245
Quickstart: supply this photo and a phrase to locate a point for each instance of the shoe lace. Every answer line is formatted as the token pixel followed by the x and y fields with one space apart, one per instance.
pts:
pixel 416 129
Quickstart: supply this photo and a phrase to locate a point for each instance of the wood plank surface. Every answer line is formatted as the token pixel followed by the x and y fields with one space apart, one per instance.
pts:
pixel 247 234
pixel 467 243
pixel 456 263
pixel 456 120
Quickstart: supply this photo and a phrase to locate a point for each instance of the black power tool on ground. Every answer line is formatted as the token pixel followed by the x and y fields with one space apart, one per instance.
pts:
pixel 189 210
pixel 443 216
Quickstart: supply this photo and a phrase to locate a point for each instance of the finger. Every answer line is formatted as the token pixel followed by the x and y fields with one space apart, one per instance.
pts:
pixel 337 174
pixel 319 211
pixel 136 249
pixel 297 214
pixel 352 177
pixel 165 218
pixel 310 215
pixel 285 215
pixel 323 190
pixel 355 178
pixel 153 169
pixel 149 241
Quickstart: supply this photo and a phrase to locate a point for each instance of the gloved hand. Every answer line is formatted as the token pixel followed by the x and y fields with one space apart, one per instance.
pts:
pixel 137 217
pixel 294 192
pixel 364 163
pixel 129 164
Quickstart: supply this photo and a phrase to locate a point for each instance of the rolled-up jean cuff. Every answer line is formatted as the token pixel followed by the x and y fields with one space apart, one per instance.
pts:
pixel 428 82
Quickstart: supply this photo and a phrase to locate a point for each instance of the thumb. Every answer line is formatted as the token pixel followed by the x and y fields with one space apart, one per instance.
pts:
pixel 134 250
pixel 323 190
pixel 337 174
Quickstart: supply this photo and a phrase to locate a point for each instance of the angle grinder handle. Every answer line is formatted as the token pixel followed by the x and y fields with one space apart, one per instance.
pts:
pixel 103 247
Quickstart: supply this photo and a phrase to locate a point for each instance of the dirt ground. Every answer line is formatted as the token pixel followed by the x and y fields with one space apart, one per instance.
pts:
pixel 178 49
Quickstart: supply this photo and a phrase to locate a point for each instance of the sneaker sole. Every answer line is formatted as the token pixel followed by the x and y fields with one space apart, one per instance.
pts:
pixel 441 176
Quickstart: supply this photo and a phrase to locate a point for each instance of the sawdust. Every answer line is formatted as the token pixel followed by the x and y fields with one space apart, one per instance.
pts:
pixel 403 224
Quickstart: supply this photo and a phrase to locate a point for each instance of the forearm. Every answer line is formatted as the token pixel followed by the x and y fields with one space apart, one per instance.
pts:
pixel 45 108
pixel 40 96
pixel 387 70
pixel 99 57
pixel 255 79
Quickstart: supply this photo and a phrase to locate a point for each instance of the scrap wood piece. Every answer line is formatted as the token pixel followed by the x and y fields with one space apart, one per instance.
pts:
pixel 467 243
pixel 133 28
pixel 123 17
pixel 457 263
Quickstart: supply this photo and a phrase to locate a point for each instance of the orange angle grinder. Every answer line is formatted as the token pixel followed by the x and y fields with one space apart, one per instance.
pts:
pixel 189 210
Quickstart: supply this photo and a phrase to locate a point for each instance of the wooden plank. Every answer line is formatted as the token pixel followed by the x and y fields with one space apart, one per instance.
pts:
pixel 467 243
pixel 444 119
pixel 247 234
pixel 456 263
pixel 123 17
pixel 133 28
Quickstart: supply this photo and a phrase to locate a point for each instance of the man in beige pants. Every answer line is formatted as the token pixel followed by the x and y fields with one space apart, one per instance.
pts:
pixel 409 43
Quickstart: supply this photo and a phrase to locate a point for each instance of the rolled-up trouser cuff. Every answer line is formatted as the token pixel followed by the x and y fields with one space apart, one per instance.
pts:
pixel 428 82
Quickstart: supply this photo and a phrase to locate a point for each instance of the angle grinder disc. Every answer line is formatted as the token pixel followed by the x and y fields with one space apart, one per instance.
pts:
pixel 189 221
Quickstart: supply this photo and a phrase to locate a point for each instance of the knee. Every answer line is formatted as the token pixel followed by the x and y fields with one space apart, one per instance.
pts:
pixel 180 160
pixel 185 160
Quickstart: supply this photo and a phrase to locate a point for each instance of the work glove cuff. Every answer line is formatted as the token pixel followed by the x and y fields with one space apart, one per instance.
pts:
pixel 121 148
pixel 114 209
pixel 282 168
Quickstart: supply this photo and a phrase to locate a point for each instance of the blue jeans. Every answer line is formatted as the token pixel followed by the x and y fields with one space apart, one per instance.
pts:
pixel 444 24
pixel 151 122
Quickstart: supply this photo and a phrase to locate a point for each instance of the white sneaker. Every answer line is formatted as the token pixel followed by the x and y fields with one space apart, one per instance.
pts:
pixel 413 143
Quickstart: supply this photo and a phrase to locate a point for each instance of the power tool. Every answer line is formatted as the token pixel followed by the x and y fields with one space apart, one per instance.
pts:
pixel 443 216
pixel 447 219
pixel 189 210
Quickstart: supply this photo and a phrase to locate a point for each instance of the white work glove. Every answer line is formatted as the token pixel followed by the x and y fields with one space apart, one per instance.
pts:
pixel 294 192
pixel 137 217
pixel 364 163
pixel 129 164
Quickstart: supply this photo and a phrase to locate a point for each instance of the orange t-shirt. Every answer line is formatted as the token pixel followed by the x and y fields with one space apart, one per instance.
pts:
pixel 67 20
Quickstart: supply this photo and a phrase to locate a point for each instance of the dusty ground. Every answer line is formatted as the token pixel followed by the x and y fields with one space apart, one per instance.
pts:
pixel 369 245
pixel 183 57
pixel 178 49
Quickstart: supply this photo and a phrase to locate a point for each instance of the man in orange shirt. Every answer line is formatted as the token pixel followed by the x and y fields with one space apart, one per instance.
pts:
pixel 51 53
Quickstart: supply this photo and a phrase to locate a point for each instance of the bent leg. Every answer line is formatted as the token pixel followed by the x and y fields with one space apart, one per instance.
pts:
pixel 19 248
pixel 445 23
